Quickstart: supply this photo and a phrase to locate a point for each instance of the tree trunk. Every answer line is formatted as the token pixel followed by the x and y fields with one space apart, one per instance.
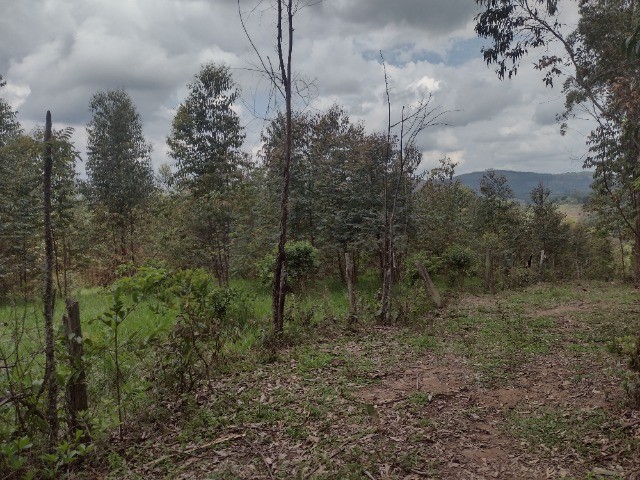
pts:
pixel 341 269
pixel 50 363
pixel 132 238
pixel 487 269
pixel 621 244
pixel 123 243
pixel 77 386
pixel 636 249
pixel 279 278
pixel 65 265
pixel 541 265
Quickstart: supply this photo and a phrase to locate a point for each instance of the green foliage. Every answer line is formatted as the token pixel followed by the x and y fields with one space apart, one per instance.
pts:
pixel 64 456
pixel 13 454
pixel 20 214
pixel 206 134
pixel 442 210
pixel 301 260
pixel 126 296
pixel 9 126
pixel 205 140
pixel 432 263
pixel 118 165
pixel 203 325
pixel 457 260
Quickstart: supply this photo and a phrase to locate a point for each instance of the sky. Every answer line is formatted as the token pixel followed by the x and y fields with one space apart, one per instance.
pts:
pixel 55 54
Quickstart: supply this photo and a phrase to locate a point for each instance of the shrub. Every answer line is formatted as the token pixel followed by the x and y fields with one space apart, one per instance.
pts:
pixel 205 322
pixel 431 262
pixel 301 261
pixel 457 261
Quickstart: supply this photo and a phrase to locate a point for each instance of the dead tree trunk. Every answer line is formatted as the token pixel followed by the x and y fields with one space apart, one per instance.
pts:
pixel 77 386
pixel 636 237
pixel 50 362
pixel 385 301
pixel 279 278
pixel 541 265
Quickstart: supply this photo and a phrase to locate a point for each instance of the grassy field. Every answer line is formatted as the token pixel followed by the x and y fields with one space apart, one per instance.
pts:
pixel 573 211
pixel 531 383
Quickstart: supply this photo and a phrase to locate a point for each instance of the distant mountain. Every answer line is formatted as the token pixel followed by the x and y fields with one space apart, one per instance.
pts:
pixel 566 187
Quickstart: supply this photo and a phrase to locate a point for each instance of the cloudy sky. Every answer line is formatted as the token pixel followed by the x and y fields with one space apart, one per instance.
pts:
pixel 55 54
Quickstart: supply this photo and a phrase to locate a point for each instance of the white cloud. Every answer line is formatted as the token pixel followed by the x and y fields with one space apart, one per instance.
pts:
pixel 57 53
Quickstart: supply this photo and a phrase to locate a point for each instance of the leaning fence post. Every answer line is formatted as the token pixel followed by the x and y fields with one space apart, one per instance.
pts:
pixel 431 288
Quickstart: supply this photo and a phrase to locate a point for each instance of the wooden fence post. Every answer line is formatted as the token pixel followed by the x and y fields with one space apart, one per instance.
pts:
pixel 433 291
pixel 77 386
pixel 350 274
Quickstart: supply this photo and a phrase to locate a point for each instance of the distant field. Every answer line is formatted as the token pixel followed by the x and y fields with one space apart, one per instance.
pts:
pixel 573 211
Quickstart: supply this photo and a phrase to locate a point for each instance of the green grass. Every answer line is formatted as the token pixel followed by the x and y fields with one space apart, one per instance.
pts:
pixel 499 340
pixel 92 302
pixel 311 384
pixel 559 430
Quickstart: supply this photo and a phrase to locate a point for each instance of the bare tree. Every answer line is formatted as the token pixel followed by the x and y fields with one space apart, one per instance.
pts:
pixel 281 80
pixel 413 120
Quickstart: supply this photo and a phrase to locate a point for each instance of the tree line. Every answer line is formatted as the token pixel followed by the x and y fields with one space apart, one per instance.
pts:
pixel 217 208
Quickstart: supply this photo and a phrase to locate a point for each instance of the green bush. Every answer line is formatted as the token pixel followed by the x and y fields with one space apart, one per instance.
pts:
pixel 431 262
pixel 301 261
pixel 457 261
pixel 208 317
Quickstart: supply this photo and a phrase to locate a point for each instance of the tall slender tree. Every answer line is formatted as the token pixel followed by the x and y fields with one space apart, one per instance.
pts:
pixel 50 380
pixel 118 165
pixel 282 80
pixel 206 137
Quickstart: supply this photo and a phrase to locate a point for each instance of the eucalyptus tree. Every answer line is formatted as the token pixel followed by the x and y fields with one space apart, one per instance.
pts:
pixel 303 204
pixel 206 135
pixel 600 71
pixel 442 212
pixel 348 176
pixel 9 126
pixel 547 229
pixel 20 214
pixel 119 171
pixel 498 224
pixel 206 139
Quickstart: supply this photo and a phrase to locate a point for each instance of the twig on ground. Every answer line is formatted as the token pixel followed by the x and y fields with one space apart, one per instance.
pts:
pixel 191 451
pixel 264 460
pixel 339 450
pixel 629 425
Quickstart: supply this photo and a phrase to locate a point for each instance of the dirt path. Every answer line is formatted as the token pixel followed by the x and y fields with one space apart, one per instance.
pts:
pixel 504 389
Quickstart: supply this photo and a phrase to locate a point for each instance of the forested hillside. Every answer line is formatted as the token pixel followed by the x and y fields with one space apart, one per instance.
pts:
pixel 327 304
pixel 573 187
